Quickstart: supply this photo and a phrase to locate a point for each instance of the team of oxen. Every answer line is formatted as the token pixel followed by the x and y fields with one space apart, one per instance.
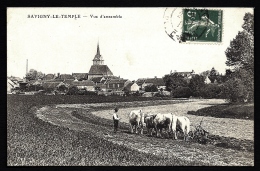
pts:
pixel 169 121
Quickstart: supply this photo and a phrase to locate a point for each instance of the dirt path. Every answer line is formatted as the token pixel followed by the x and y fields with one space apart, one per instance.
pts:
pixel 209 155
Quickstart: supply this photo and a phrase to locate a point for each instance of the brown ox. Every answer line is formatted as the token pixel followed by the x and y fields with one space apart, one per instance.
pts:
pixel 166 121
pixel 149 122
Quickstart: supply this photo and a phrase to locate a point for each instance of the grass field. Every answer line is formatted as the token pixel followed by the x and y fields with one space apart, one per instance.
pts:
pixel 62 137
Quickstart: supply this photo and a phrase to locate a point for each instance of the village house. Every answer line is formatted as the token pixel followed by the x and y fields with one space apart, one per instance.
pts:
pixel 99 83
pixel 59 77
pixel 49 77
pixel 85 84
pixel 187 74
pixel 16 80
pixel 140 82
pixel 131 87
pixel 12 84
pixel 116 84
pixel 65 77
pixel 22 85
pixel 80 76
pixel 207 80
pixel 34 85
pixel 50 86
pixel 158 82
pixel 97 80
pixel 68 81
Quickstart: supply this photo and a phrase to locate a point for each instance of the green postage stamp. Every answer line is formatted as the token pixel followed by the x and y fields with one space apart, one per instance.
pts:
pixel 202 25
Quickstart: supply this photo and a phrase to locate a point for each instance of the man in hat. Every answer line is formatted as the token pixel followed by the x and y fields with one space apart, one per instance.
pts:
pixel 116 119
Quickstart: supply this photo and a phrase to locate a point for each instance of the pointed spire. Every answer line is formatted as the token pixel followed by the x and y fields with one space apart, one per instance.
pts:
pixel 98 59
pixel 98 51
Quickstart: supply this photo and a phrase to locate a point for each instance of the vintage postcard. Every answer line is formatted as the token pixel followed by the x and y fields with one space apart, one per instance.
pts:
pixel 168 86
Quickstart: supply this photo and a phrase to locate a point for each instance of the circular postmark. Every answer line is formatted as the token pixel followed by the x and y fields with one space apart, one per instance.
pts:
pixel 193 25
pixel 173 23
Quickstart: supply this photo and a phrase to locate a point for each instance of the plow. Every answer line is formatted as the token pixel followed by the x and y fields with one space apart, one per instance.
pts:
pixel 199 135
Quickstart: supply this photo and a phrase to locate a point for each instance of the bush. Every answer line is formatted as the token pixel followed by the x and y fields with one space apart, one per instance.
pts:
pixel 137 94
pixel 159 95
pixel 151 88
pixel 211 91
pixel 235 91
pixel 34 88
pixel 180 91
pixel 72 90
pixel 62 88
pixel 90 93
pixel 239 87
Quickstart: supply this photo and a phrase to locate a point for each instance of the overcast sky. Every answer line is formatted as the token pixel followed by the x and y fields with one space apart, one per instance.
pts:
pixel 134 46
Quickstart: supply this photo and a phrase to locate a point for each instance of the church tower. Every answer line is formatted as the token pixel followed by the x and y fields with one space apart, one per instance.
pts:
pixel 98 69
pixel 98 59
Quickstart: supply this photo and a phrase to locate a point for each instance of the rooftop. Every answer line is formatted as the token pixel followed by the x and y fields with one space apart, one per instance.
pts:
pixel 100 70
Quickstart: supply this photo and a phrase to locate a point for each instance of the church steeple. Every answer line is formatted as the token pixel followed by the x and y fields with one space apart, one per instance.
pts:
pixel 98 51
pixel 98 59
pixel 98 69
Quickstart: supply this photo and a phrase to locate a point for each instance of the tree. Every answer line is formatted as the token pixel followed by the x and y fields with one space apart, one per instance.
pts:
pixel 220 78
pixel 39 75
pixel 34 75
pixel 233 90
pixel 211 91
pixel 173 81
pixel 73 90
pixel 63 88
pixel 239 87
pixel 213 74
pixel 205 74
pixel 240 56
pixel 196 84
pixel 151 88
pixel 183 92
pixel 31 75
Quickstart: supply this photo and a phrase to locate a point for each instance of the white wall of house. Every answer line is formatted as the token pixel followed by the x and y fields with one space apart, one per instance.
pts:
pixel 90 88
pixel 81 87
pixel 163 87
pixel 207 80
pixel 10 85
pixel 134 87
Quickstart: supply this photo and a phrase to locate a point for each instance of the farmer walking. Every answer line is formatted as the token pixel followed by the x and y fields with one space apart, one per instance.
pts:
pixel 116 120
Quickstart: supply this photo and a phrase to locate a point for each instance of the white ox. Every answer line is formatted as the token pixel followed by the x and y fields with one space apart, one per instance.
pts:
pixel 183 124
pixel 167 121
pixel 136 120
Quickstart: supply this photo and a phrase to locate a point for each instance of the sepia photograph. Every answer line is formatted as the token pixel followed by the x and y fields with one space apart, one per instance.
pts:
pixel 118 86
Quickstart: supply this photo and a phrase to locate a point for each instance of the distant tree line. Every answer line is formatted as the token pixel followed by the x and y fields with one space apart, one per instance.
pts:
pixel 181 86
